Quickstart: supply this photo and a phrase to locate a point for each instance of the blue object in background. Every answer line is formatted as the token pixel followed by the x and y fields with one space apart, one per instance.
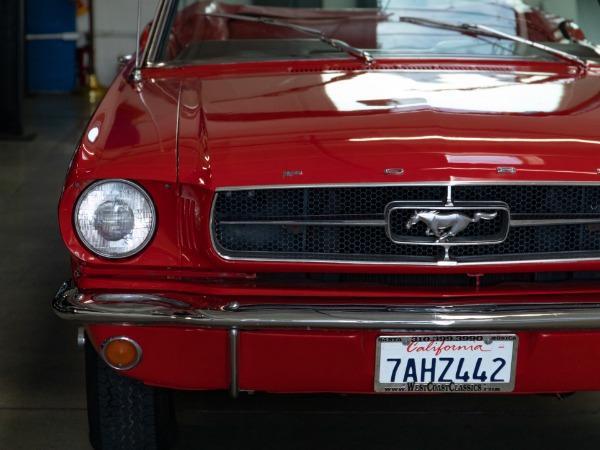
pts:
pixel 51 45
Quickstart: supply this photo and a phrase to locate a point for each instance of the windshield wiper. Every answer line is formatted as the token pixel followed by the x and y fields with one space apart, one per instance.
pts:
pixel 482 30
pixel 335 43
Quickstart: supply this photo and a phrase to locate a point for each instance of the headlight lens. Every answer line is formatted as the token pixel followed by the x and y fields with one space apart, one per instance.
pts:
pixel 115 218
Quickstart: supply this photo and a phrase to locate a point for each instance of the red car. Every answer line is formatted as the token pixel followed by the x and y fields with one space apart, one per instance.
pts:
pixel 392 199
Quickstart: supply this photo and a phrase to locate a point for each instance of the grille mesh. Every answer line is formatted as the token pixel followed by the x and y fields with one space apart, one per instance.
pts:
pixel 243 225
pixel 537 201
pixel 322 203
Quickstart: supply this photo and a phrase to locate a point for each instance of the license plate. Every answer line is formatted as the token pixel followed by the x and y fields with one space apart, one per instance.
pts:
pixel 449 363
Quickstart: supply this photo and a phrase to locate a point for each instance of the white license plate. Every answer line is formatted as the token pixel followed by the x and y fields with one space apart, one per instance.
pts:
pixel 448 363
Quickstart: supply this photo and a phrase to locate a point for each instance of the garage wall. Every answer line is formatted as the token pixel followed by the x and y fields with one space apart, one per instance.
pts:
pixel 115 28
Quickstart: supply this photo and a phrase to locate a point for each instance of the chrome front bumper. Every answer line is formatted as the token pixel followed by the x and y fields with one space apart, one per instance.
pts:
pixel 144 309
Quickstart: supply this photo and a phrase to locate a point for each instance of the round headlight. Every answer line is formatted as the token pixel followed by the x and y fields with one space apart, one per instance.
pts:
pixel 115 218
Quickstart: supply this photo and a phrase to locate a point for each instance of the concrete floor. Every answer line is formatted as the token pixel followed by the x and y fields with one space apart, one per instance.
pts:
pixel 42 398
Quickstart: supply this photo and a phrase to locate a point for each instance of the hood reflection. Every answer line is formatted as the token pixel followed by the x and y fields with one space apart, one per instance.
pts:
pixel 473 92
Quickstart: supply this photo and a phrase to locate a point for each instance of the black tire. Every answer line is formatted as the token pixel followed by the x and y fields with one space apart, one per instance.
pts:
pixel 123 413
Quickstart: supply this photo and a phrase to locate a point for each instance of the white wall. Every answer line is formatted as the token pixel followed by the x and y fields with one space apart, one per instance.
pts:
pixel 115 24
pixel 567 9
pixel 589 19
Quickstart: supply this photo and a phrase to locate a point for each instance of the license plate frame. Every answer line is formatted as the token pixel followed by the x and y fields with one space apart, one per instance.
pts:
pixel 497 363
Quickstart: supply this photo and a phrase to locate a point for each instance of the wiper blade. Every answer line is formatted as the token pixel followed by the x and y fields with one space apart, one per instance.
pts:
pixel 482 30
pixel 363 55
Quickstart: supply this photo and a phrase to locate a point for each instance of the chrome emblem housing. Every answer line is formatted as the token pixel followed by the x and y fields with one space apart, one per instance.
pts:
pixel 447 224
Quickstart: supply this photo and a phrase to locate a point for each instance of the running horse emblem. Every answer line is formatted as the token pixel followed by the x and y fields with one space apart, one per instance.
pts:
pixel 446 225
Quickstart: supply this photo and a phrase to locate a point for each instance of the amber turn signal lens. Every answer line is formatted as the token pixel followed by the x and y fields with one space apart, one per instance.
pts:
pixel 121 353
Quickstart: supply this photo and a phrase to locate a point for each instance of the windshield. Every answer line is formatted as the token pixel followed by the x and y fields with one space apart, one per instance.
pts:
pixel 266 30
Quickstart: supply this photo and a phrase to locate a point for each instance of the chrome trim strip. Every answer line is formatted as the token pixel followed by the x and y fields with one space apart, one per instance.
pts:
pixel 433 183
pixel 69 304
pixel 331 223
pixel 543 222
pixel 382 223
pixel 442 263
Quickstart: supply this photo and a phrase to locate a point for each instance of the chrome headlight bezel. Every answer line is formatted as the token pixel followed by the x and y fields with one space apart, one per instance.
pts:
pixel 81 234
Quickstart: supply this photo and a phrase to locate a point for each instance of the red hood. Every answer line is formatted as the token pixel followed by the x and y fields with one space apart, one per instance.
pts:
pixel 136 125
pixel 349 127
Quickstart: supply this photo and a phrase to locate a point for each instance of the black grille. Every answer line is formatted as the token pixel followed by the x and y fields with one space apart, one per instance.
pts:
pixel 322 203
pixel 349 224
pixel 537 201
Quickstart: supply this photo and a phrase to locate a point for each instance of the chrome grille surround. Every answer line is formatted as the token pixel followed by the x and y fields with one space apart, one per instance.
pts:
pixel 346 224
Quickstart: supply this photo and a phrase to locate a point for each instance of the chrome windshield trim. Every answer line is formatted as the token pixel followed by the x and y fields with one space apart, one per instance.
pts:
pixel 157 30
pixel 71 305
